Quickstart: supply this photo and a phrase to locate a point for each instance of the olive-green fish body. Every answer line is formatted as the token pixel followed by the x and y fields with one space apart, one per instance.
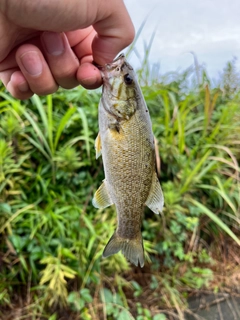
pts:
pixel 126 143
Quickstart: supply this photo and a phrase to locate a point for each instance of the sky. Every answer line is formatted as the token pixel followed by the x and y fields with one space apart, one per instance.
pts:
pixel 209 28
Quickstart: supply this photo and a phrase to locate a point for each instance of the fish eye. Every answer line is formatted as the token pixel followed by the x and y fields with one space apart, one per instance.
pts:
pixel 128 79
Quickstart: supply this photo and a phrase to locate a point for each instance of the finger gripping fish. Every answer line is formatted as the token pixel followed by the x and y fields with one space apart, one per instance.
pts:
pixel 126 143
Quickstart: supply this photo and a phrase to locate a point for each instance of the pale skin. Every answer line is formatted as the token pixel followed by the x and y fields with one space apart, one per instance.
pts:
pixel 50 43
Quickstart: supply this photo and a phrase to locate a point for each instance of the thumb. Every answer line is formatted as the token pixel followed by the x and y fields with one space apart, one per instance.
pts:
pixel 109 18
pixel 114 33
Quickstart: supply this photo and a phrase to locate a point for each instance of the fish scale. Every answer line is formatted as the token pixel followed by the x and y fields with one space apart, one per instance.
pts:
pixel 126 143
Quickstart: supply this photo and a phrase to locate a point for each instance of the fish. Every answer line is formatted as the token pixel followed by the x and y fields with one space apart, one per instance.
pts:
pixel 126 143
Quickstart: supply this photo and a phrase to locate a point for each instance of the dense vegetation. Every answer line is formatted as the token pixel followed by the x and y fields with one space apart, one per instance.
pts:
pixel 52 238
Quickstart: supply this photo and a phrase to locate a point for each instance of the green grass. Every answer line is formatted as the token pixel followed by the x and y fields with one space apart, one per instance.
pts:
pixel 51 237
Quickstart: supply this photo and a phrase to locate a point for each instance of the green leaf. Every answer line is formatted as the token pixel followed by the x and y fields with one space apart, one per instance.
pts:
pixel 72 297
pixel 23 262
pixel 68 254
pixel 85 295
pixel 125 315
pixel 53 317
pixel 5 207
pixel 108 295
pixel 160 316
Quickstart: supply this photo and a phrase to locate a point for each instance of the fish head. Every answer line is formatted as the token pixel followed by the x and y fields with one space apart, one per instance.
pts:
pixel 120 88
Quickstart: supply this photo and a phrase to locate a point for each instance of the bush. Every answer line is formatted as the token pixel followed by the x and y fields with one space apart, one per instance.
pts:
pixel 51 237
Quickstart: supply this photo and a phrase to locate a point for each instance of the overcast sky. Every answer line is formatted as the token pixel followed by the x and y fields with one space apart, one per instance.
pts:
pixel 210 28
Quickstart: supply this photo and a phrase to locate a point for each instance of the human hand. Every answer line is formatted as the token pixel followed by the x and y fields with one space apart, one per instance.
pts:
pixel 51 43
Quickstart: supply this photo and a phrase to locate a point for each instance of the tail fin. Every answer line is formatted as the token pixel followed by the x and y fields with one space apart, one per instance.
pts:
pixel 131 248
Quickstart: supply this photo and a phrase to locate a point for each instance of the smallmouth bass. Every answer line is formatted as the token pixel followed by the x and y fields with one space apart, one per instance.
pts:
pixel 126 143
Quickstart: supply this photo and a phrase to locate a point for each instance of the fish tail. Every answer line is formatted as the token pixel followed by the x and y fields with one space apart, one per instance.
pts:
pixel 132 249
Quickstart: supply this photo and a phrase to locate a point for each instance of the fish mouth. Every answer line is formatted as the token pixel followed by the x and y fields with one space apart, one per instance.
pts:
pixel 117 64
pixel 115 69
pixel 108 66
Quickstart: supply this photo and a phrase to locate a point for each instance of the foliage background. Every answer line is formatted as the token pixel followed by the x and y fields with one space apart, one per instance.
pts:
pixel 51 237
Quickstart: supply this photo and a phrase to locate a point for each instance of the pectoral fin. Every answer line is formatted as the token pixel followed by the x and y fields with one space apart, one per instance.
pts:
pixel 155 198
pixel 101 197
pixel 98 146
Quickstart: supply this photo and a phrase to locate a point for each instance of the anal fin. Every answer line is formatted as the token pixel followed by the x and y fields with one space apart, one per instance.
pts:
pixel 102 197
pixel 155 198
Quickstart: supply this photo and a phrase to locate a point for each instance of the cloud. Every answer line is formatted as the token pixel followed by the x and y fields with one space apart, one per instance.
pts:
pixel 209 28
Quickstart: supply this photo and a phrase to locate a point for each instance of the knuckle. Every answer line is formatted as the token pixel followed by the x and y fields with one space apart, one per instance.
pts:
pixel 45 90
pixel 129 35
pixel 22 96
pixel 65 73
pixel 69 85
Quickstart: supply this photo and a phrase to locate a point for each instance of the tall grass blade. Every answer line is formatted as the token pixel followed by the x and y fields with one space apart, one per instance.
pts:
pixel 207 110
pixel 79 138
pixel 86 132
pixel 39 134
pixel 63 124
pixel 194 172
pixel 39 147
pixel 50 122
pixel 38 103
pixel 222 194
pixel 215 219
pixel 14 216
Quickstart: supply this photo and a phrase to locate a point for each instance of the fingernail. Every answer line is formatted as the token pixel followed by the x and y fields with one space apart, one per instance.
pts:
pixel 32 63
pixel 53 43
